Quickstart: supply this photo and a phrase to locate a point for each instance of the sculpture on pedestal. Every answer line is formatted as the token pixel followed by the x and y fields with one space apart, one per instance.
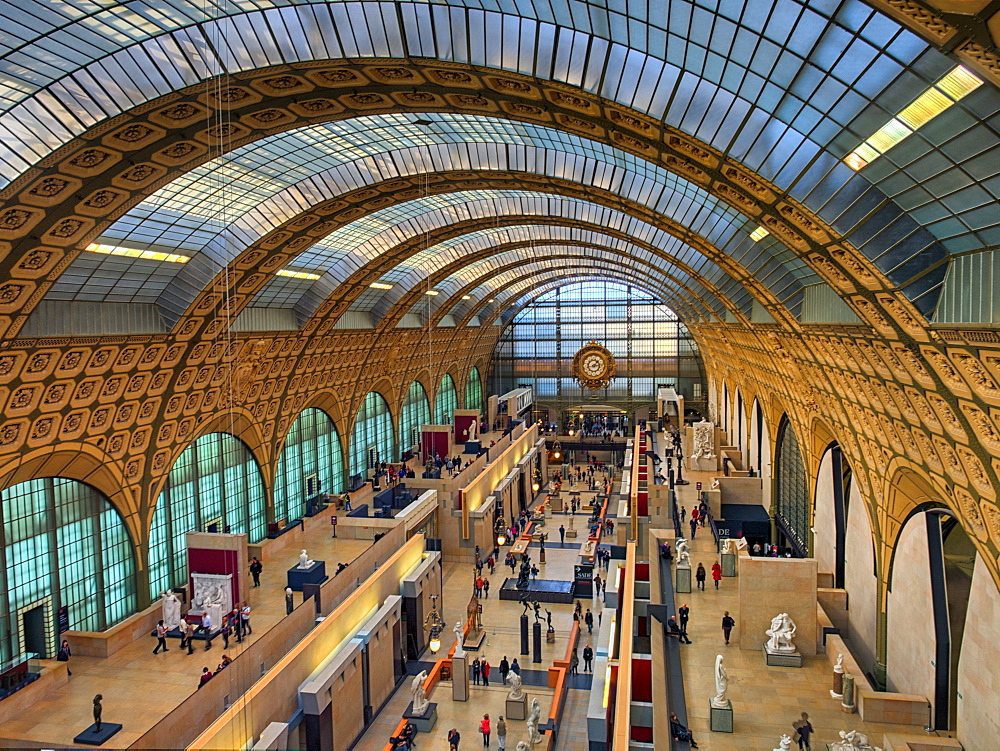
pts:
pixel 683 556
pixel 785 743
pixel 837 692
pixel 781 632
pixel 171 610
pixel 721 684
pixel 417 692
pixel 97 712
pixel 474 430
pixel 729 545
pixel 534 737
pixel 522 746
pixel 304 561
pixel 851 740
pixel 516 689
pixel 523 574
pixel 536 711
pixel 459 636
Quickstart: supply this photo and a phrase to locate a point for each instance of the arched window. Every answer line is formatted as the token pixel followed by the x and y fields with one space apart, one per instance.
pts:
pixel 214 486
pixel 474 390
pixel 62 544
pixel 446 401
pixel 312 452
pixel 792 491
pixel 416 412
pixel 372 439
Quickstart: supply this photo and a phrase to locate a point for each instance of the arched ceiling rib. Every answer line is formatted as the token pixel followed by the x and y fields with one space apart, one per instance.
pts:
pixel 470 282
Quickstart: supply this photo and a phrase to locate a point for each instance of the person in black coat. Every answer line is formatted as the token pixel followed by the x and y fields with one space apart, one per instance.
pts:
pixel 588 659
pixel 679 732
pixel 676 631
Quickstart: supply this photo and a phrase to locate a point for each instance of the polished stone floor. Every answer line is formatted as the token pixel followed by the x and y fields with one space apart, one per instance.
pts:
pixel 501 619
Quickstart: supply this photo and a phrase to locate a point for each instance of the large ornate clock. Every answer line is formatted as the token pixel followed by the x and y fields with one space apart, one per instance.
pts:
pixel 594 366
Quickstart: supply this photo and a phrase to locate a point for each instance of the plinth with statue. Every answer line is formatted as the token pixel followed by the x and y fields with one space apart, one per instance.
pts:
pixel 475 634
pixel 779 649
pixel 306 572
pixel 682 571
pixel 517 699
pixel 720 708
pixel 98 733
pixel 421 711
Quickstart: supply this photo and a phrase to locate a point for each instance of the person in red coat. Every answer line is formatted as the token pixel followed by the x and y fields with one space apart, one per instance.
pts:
pixel 717 573
pixel 485 666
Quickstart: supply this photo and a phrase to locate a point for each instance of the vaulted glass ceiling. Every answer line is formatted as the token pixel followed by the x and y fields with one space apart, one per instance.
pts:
pixel 219 209
pixel 787 87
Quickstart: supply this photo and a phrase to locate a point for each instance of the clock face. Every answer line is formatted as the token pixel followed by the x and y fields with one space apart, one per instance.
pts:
pixel 593 365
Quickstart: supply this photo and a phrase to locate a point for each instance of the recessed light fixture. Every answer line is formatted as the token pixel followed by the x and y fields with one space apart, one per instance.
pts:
pixel 490 300
pixel 298 274
pixel 953 87
pixel 466 297
pixel 146 255
pixel 432 292
pixel 759 234
pixel 380 285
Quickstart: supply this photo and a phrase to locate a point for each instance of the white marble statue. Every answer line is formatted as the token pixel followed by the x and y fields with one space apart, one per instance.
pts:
pixel 212 594
pixel 474 430
pixel 534 737
pixel 417 692
pixel 721 684
pixel 851 740
pixel 781 632
pixel 536 711
pixel 729 545
pixel 703 443
pixel 785 743
pixel 516 689
pixel 304 561
pixel 459 638
pixel 683 556
pixel 171 610
pixel 522 746
pixel 839 667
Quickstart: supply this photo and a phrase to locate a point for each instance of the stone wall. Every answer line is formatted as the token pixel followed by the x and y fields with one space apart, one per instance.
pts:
pixel 910 648
pixel 978 677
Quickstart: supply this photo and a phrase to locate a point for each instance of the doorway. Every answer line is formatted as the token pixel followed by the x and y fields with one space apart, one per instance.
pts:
pixel 36 629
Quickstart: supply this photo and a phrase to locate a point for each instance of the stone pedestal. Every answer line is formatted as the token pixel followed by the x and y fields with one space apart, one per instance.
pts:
pixel 524 635
pixel 571 533
pixel 423 722
pixel 729 564
pixel 474 640
pixel 703 464
pixel 838 685
pixel 315 574
pixel 460 678
pixel 536 629
pixel 720 718
pixel 682 580
pixel 94 737
pixel 782 659
pixel 517 709
pixel 550 636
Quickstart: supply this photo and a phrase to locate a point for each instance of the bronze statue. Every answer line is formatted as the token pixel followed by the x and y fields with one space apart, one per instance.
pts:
pixel 97 712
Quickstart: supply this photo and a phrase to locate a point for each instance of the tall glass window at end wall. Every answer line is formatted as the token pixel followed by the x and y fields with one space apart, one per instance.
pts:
pixel 650 344
pixel 62 545
pixel 311 462
pixel 214 486
pixel 372 438
pixel 416 411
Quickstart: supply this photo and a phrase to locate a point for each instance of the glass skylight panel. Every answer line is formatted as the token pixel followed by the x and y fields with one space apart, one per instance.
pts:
pixel 952 88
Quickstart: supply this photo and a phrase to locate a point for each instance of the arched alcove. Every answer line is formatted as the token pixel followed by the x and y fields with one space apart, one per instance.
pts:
pixel 62 545
pixel 214 486
pixel 311 462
